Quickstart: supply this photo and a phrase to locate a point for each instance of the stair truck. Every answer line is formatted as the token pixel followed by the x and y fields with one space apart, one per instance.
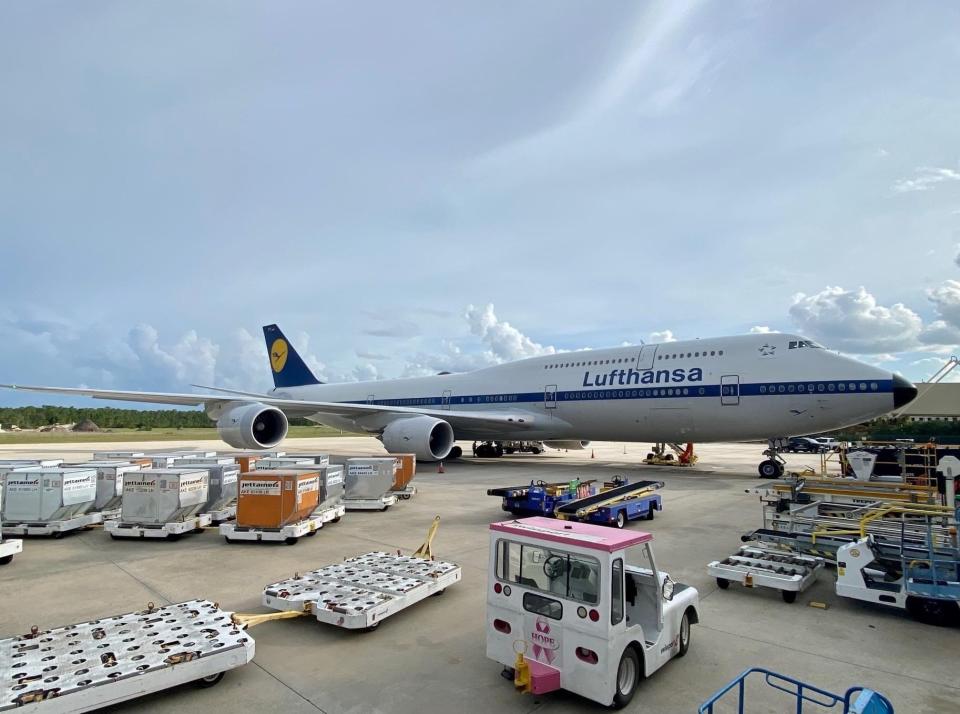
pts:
pixel 581 607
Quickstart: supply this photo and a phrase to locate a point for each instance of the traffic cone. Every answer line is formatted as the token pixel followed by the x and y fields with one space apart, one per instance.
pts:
pixel 440 468
pixel 592 456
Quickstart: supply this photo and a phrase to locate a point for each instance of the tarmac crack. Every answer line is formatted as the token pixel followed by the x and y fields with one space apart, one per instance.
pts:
pixel 287 686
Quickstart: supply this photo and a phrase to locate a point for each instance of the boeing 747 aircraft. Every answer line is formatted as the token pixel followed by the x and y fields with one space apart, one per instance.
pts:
pixel 741 388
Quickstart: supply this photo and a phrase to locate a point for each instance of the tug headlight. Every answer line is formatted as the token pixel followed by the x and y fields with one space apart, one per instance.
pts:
pixel 668 587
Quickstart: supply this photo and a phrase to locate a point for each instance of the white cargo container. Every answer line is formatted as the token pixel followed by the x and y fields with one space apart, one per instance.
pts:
pixel 221 483
pixel 110 475
pixel 8 464
pixel 9 547
pixel 112 455
pixel 368 482
pixel 282 462
pixel 206 460
pixel 318 459
pixel 42 495
pixel 159 496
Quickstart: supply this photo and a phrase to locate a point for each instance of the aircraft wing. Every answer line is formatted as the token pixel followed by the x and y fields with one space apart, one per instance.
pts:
pixel 296 407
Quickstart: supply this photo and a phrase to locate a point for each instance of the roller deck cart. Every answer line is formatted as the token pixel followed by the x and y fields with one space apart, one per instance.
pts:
pixel 228 513
pixel 361 592
pixel 89 665
pixel 370 504
pixel 404 494
pixel 52 528
pixel 170 531
pixel 289 534
pixel 761 567
pixel 9 547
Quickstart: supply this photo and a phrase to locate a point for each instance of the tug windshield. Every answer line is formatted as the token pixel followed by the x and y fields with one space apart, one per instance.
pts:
pixel 563 574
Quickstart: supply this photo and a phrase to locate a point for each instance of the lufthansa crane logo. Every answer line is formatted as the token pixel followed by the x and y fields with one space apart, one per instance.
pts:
pixel 278 354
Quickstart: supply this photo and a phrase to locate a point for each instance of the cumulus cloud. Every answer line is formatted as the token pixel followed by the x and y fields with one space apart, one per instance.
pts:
pixel 926 177
pixel 762 330
pixel 662 336
pixel 946 301
pixel 957 258
pixel 853 321
pixel 371 355
pixel 505 342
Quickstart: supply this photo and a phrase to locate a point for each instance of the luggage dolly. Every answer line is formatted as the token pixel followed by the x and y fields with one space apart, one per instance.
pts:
pixel 9 547
pixel 170 531
pixel 404 494
pixel 371 504
pixel 289 534
pixel 361 592
pixel 752 566
pixel 52 528
pixel 89 665
pixel 856 700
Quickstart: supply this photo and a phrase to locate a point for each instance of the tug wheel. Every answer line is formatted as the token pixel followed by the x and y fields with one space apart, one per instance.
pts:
pixel 943 613
pixel 628 676
pixel 205 682
pixel 684 634
pixel 621 519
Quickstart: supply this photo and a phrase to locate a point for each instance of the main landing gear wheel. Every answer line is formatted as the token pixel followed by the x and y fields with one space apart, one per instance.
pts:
pixel 770 469
pixel 628 676
pixel 455 453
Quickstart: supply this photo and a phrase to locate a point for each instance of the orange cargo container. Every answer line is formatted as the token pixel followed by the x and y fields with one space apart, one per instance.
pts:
pixel 247 462
pixel 273 499
pixel 406 470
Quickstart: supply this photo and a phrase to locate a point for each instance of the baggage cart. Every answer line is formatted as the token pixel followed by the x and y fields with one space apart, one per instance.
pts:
pixel 53 528
pixel 9 547
pixel 289 534
pixel 370 504
pixel 171 531
pixel 82 667
pixel 752 566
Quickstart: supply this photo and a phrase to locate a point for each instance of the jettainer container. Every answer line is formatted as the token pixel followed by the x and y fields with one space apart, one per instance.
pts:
pixel 406 470
pixel 110 482
pixel 282 462
pixel 273 499
pixel 222 483
pixel 158 496
pixel 331 484
pixel 369 478
pixel 7 464
pixel 39 495
pixel 318 459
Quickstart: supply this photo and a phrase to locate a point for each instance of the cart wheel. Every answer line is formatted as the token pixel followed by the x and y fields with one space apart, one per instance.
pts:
pixel 311 534
pixel 372 627
pixel 210 681
pixel 114 536
pixel 291 540
pixel 337 519
pixel 789 596
pixel 198 530
pixel 723 583
pixel 58 534
pixel 227 538
pixel 651 513
pixel 173 536
pixel 684 634
pixel 934 612
pixel 405 497
pixel 384 508
pixel 621 519
pixel 7 559
pixel 508 673
pixel 628 676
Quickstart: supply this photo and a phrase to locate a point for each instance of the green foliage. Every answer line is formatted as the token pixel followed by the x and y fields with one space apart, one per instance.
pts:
pixel 104 417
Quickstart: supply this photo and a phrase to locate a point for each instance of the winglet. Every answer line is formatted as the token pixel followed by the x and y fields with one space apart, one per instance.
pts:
pixel 289 370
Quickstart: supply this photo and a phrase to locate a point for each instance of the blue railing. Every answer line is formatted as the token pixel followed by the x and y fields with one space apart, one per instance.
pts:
pixel 856 700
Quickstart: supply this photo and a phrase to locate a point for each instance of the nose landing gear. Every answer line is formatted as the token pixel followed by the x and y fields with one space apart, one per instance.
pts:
pixel 773 467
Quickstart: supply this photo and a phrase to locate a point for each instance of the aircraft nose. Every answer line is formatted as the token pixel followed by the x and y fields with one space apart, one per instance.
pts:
pixel 903 391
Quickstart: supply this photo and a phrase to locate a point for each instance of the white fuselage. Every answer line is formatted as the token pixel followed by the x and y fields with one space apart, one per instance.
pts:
pixel 720 389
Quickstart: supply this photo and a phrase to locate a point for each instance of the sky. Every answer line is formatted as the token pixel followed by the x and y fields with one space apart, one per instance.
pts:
pixel 423 186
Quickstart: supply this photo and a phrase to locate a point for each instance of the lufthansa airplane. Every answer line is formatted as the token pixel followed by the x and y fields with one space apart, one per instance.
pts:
pixel 749 387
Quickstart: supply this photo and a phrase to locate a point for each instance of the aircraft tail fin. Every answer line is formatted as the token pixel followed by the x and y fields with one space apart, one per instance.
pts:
pixel 289 370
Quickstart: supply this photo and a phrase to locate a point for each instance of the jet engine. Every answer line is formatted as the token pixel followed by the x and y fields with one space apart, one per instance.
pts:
pixel 569 444
pixel 430 439
pixel 252 426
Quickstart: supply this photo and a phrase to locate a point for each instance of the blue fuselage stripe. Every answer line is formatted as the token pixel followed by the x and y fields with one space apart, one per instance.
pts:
pixel 659 391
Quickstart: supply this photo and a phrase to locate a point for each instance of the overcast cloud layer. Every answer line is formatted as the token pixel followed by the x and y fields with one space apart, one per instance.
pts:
pixel 415 187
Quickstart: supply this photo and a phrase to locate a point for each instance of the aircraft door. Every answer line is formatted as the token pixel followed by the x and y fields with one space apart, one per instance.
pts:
pixel 550 396
pixel 646 357
pixel 730 390
pixel 370 399
pixel 445 399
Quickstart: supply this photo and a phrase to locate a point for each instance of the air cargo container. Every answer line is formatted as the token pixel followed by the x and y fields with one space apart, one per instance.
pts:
pixel 8 547
pixel 369 477
pixel 273 499
pixel 110 482
pixel 406 470
pixel 282 462
pixel 247 462
pixel 318 459
pixel 112 455
pixel 158 496
pixel 206 461
pixel 7 464
pixel 166 459
pixel 222 484
pixel 41 495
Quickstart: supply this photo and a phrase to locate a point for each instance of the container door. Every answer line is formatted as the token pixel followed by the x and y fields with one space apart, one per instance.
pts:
pixel 445 399
pixel 730 390
pixel 550 396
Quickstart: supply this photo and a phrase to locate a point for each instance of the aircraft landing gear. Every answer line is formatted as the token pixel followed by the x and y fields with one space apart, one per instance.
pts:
pixel 773 467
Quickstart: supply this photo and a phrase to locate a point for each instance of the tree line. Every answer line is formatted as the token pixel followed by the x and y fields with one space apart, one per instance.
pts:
pixel 109 417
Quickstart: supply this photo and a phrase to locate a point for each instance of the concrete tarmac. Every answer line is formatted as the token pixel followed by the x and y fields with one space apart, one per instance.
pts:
pixel 431 658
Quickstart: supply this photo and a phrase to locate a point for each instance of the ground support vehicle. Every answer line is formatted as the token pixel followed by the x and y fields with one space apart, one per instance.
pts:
pixel 289 534
pixel 524 447
pixel 681 456
pixel 89 665
pixel 404 493
pixel 581 607
pixel 856 700
pixel 222 515
pixel 615 505
pixel 170 531
pixel 9 547
pixel 53 528
pixel 370 504
pixel 541 498
pixel 762 567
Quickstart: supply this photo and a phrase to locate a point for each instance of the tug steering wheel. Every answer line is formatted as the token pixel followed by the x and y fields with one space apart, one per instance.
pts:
pixel 553 566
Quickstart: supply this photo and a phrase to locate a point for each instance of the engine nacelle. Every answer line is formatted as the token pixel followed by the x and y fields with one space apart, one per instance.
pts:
pixel 252 426
pixel 569 444
pixel 430 439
